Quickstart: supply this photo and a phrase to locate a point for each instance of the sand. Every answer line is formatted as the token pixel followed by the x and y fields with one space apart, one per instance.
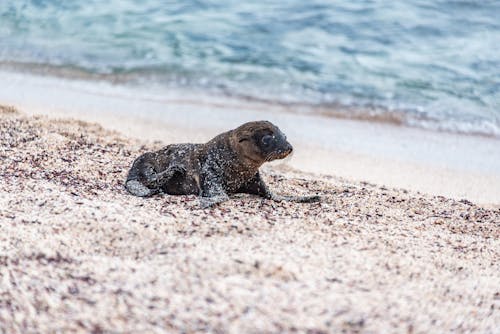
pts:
pixel 434 162
pixel 78 254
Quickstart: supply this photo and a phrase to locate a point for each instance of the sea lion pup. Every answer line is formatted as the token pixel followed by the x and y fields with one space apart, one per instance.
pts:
pixel 227 164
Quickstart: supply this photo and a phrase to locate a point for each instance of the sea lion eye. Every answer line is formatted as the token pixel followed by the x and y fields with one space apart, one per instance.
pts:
pixel 266 140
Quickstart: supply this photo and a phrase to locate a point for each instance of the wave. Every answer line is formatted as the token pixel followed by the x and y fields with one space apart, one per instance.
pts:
pixel 346 108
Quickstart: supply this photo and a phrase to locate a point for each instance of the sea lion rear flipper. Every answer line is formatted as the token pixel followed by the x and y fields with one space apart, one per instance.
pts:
pixel 144 179
pixel 153 181
pixel 138 189
pixel 163 177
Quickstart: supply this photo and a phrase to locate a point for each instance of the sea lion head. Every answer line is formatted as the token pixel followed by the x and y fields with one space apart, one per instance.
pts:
pixel 260 142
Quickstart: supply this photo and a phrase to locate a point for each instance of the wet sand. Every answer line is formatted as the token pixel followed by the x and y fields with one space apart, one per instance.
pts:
pixel 78 254
pixel 438 163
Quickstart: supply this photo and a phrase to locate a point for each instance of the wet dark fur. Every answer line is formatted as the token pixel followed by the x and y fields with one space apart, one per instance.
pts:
pixel 227 164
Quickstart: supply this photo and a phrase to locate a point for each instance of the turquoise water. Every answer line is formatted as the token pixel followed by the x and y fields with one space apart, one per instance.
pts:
pixel 433 63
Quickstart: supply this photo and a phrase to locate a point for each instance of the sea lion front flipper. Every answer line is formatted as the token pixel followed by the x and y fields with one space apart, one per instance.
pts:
pixel 297 199
pixel 207 202
pixel 257 186
pixel 212 192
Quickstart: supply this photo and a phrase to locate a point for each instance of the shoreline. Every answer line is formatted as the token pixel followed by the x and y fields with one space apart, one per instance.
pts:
pixel 79 254
pixel 439 163
pixel 150 91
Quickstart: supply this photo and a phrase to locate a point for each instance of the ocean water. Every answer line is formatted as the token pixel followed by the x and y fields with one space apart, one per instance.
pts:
pixel 426 63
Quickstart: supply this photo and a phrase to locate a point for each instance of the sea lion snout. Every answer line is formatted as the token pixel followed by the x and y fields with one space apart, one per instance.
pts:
pixel 284 150
pixel 288 148
pixel 278 146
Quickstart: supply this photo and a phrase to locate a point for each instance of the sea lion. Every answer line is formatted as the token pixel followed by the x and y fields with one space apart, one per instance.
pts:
pixel 227 164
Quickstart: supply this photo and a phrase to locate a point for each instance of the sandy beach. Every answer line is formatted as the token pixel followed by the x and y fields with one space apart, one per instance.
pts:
pixel 78 254
pixel 433 162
